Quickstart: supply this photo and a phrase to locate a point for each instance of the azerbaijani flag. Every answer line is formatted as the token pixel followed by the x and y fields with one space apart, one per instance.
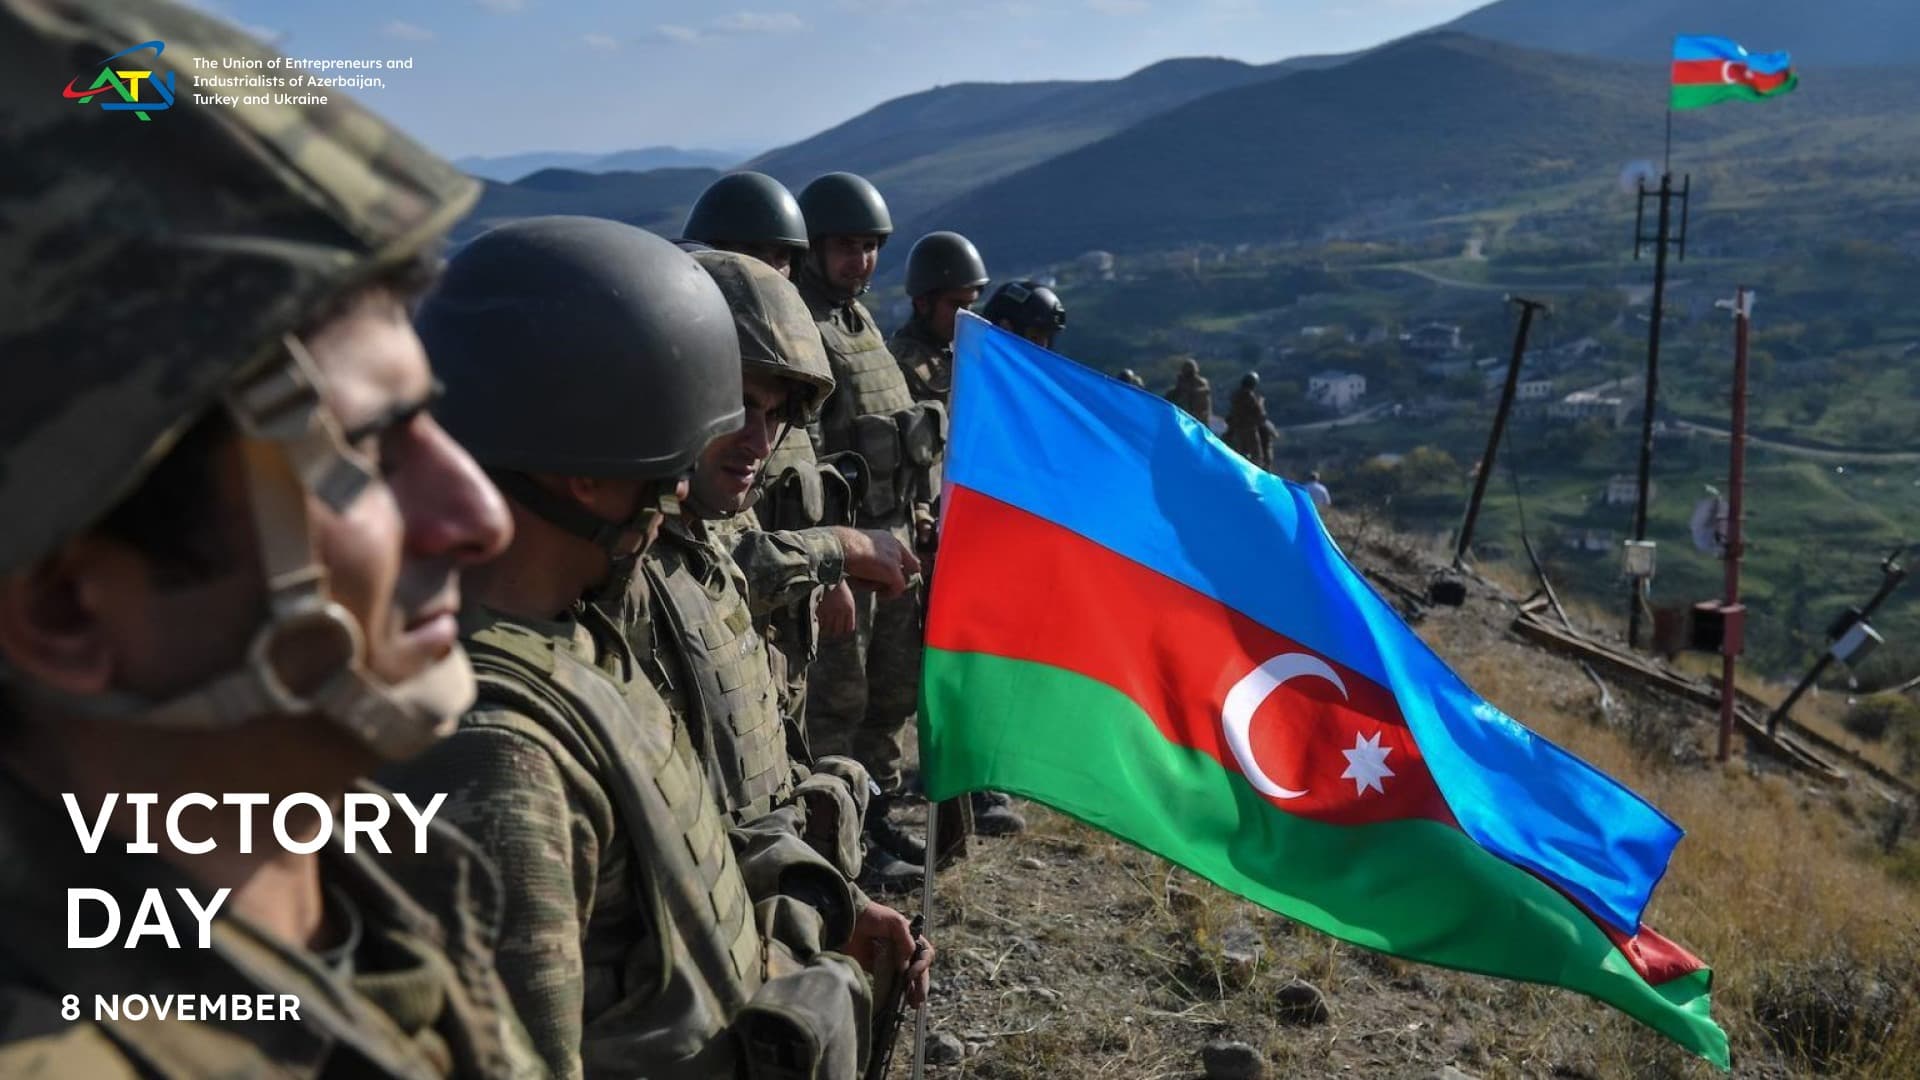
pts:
pixel 1710 70
pixel 1133 624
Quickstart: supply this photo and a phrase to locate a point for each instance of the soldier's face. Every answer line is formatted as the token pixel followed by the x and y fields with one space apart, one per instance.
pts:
pixel 393 556
pixel 778 256
pixel 99 618
pixel 1042 336
pixel 848 262
pixel 944 307
pixel 731 464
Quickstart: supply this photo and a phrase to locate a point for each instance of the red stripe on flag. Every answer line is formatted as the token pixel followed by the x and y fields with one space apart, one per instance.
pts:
pixel 1726 73
pixel 1015 585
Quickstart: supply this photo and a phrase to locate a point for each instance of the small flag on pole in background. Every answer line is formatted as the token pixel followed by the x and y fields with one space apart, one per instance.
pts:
pixel 1709 70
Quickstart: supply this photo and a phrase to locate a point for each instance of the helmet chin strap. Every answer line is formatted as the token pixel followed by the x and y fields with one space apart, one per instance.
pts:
pixel 309 657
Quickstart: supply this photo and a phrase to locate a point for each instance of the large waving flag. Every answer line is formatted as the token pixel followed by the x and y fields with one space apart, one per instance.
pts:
pixel 1133 624
pixel 1710 70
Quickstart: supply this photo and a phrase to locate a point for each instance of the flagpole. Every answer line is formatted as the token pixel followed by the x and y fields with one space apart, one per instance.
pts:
pixel 1666 164
pixel 926 915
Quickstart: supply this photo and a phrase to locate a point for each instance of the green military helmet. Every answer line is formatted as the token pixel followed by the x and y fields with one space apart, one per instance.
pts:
pixel 1025 306
pixel 944 260
pixel 842 204
pixel 777 333
pixel 150 266
pixel 746 209
pixel 1250 381
pixel 583 347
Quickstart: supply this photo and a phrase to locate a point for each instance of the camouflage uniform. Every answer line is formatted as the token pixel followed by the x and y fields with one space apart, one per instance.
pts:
pixel 864 690
pixel 714 670
pixel 247 221
pixel 787 570
pixel 1248 430
pixel 1193 393
pixel 636 949
pixel 926 362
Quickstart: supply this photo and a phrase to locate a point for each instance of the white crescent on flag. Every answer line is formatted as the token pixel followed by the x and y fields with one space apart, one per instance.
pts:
pixel 1247 695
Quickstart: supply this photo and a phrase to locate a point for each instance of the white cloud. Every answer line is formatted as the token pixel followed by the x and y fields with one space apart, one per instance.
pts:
pixel 679 35
pixel 503 6
pixel 757 22
pixel 875 7
pixel 1118 7
pixel 406 31
pixel 738 24
pixel 600 42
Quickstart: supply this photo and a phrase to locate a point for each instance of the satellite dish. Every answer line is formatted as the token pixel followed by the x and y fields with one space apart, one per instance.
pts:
pixel 1638 173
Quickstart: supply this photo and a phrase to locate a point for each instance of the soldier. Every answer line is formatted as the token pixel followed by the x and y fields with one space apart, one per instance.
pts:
pixel 712 667
pixel 1192 392
pixel 587 362
pixel 865 688
pixel 1029 309
pixel 944 278
pixel 1249 432
pixel 1132 378
pixel 231 540
pixel 753 214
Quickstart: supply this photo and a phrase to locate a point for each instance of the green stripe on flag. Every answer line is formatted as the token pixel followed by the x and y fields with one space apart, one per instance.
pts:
pixel 1416 889
pixel 1700 96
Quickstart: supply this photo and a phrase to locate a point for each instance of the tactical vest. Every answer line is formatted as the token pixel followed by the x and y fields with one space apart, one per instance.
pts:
pixel 871 412
pixel 701 960
pixel 926 364
pixel 725 684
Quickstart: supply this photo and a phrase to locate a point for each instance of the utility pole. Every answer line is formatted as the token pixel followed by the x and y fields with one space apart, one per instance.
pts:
pixel 1733 615
pixel 1892 574
pixel 1663 238
pixel 1527 308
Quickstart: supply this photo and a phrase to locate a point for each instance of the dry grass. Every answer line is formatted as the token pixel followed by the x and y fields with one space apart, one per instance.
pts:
pixel 1068 954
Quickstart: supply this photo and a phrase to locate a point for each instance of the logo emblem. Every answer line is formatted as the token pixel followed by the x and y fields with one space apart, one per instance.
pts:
pixel 124 89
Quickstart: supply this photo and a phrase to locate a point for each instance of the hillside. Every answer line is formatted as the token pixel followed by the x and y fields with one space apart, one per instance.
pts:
pixel 925 148
pixel 507 168
pixel 1426 129
pixel 657 199
pixel 1827 35
pixel 1066 954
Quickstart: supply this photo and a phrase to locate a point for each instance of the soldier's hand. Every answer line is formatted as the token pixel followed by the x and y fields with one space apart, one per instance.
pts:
pixel 837 613
pixel 877 924
pixel 877 560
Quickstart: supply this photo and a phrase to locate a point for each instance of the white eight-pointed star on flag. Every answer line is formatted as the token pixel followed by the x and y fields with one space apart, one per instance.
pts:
pixel 1367 764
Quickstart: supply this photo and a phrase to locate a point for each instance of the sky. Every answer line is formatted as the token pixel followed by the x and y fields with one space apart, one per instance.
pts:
pixel 511 76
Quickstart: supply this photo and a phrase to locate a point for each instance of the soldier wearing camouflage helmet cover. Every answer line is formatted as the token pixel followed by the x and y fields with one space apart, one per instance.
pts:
pixel 944 277
pixel 587 362
pixel 864 689
pixel 753 214
pixel 230 544
pixel 750 213
pixel 1029 309
pixel 711 664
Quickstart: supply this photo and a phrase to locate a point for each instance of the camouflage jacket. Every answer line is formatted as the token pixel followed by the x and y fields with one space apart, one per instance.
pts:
pixel 718 673
pixel 926 363
pixel 418 998
pixel 636 948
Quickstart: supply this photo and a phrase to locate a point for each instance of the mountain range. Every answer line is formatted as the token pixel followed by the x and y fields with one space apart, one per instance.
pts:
pixel 508 168
pixel 1517 97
